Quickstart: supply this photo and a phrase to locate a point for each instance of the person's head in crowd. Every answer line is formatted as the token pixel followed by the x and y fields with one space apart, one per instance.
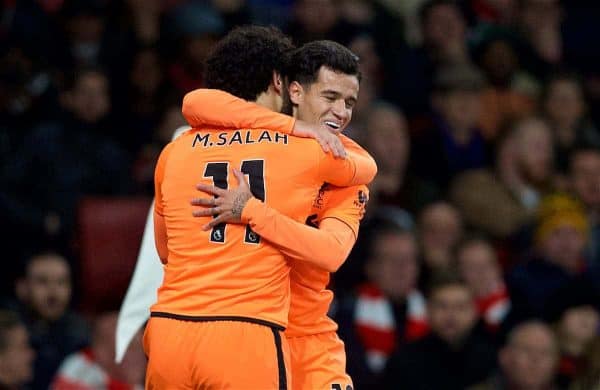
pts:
pixel 457 98
pixel 529 357
pixel 87 95
pixel 146 75
pixel 498 57
pixel 388 138
pixel 392 259
pixel 575 310
pixel 255 50
pixel 477 265
pixel 322 80
pixel 132 368
pixel 45 288
pixel 85 24
pixel 533 152
pixel 443 29
pixel 561 231
pixel 585 175
pixel 195 28
pixel 440 227
pixel 589 378
pixel 450 308
pixel 364 46
pixel 540 21
pixel 564 106
pixel 315 18
pixel 16 355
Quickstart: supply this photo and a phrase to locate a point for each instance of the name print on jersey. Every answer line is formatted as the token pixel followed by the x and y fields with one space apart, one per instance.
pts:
pixel 239 137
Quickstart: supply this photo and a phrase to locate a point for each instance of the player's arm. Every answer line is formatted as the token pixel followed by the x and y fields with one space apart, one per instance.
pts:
pixel 213 107
pixel 359 168
pixel 326 247
pixel 160 229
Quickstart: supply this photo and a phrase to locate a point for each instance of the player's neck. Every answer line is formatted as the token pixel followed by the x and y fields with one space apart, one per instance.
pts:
pixel 269 99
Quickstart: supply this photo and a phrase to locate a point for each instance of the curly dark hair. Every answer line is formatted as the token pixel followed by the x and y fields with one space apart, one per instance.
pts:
pixel 303 64
pixel 242 63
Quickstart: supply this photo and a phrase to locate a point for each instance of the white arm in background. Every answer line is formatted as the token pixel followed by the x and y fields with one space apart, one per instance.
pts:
pixel 141 293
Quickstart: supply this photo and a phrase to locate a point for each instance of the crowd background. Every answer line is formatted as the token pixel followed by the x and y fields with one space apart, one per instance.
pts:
pixel 478 264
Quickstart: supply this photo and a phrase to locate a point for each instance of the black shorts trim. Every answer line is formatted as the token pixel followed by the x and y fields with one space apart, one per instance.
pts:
pixel 280 360
pixel 275 327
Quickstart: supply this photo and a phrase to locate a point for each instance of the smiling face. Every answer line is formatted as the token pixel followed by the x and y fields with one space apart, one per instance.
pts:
pixel 328 101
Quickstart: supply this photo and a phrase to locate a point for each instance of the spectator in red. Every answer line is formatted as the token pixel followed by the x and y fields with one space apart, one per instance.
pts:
pixel 95 367
pixel 386 311
pixel 453 355
pixel 478 266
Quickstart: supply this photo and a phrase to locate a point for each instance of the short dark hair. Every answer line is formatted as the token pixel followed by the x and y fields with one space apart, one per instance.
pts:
pixel 243 62
pixel 304 63
pixel 8 321
pixel 442 280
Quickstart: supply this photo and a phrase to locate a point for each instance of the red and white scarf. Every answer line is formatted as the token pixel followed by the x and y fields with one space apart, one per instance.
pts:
pixel 494 308
pixel 376 324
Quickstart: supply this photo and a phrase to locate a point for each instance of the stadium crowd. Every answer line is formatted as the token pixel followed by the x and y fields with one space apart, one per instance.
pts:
pixel 478 263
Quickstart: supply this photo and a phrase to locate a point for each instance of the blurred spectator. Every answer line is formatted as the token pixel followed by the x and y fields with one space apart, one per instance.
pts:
pixel 539 23
pixel 387 139
pixel 16 355
pixel 74 156
pixel 440 228
pixel 142 103
pixel 27 95
pixel 585 184
pixel 454 143
pixel 387 311
pixel 85 41
pixel 501 201
pixel 527 360
pixel 575 311
pixel 145 162
pixel 318 19
pixel 478 266
pixel 498 12
pixel 590 377
pixel 565 108
pixel 193 29
pixel 44 293
pixel 410 71
pixel 511 93
pixel 365 47
pixel 139 21
pixel 529 170
pixel 453 355
pixel 560 239
pixel 95 368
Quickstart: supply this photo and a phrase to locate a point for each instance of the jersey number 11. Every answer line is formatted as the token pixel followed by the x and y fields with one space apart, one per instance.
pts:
pixel 219 171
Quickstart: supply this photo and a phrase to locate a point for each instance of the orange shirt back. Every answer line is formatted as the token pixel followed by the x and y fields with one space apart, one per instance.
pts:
pixel 230 271
pixel 310 297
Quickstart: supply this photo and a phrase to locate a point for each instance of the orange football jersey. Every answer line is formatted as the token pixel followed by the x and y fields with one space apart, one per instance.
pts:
pixel 229 271
pixel 310 299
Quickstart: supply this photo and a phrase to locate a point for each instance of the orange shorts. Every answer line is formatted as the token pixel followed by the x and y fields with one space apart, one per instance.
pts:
pixel 319 362
pixel 215 355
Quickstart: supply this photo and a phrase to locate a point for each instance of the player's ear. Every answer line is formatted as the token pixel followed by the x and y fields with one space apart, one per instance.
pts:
pixel 277 82
pixel 296 92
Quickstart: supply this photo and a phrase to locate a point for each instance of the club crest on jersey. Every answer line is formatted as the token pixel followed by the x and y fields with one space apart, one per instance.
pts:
pixel 318 202
pixel 362 197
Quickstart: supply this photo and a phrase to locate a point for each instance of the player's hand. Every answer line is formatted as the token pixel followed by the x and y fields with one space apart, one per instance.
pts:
pixel 328 139
pixel 226 205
